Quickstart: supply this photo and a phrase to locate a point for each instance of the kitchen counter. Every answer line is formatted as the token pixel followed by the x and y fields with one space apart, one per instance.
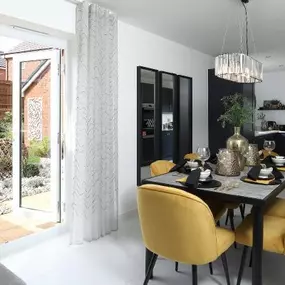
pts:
pixel 263 133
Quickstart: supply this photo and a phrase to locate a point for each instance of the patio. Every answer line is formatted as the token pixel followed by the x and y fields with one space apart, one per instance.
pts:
pixel 15 226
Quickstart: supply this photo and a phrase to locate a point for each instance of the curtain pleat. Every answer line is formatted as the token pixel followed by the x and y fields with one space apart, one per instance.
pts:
pixel 95 173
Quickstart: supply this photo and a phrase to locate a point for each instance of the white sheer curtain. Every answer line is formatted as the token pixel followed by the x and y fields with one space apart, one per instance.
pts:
pixel 95 163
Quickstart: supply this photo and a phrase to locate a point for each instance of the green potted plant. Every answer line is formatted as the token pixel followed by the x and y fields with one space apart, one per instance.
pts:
pixel 238 111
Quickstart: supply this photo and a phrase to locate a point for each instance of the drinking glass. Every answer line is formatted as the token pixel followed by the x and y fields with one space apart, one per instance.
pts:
pixel 269 146
pixel 204 154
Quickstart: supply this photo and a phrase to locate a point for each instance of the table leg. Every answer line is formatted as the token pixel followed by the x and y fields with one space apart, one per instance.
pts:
pixel 148 257
pixel 257 248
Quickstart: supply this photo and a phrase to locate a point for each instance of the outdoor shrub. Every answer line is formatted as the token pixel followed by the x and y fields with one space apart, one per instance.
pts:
pixel 33 159
pixel 6 126
pixel 39 148
pixel 30 170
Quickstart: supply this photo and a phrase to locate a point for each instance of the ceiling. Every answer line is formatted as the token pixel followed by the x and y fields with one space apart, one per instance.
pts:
pixel 201 24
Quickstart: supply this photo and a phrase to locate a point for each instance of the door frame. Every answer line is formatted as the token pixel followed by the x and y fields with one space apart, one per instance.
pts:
pixel 55 127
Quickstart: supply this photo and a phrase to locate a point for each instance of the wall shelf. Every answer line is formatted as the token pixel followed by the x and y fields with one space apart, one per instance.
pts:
pixel 271 109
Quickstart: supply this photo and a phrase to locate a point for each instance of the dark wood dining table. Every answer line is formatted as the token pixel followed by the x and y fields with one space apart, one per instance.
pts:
pixel 244 193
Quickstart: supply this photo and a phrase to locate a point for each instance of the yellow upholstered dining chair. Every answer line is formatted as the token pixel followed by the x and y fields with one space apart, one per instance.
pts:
pixel 273 237
pixel 266 153
pixel 191 156
pixel 180 226
pixel 276 208
pixel 160 167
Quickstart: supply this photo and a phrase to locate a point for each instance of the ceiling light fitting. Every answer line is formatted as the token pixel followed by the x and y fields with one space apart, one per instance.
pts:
pixel 239 67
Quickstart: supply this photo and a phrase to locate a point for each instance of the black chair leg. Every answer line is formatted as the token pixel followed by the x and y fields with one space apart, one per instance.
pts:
pixel 226 269
pixel 242 210
pixel 231 217
pixel 194 275
pixel 250 261
pixel 227 219
pixel 150 269
pixel 148 257
pixel 211 268
pixel 241 268
pixel 176 266
pixel 218 223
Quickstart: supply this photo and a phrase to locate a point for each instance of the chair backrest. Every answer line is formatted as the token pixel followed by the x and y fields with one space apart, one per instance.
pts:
pixel 191 156
pixel 266 153
pixel 177 225
pixel 160 167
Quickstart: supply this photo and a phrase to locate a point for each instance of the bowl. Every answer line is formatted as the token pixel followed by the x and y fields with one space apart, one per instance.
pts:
pixel 265 172
pixel 205 174
pixel 193 164
pixel 279 160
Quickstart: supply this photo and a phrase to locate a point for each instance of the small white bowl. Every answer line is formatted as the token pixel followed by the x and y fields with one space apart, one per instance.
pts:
pixel 265 172
pixel 193 164
pixel 205 174
pixel 279 160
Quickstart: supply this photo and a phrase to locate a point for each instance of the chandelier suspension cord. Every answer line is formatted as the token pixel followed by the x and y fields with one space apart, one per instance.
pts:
pixel 246 28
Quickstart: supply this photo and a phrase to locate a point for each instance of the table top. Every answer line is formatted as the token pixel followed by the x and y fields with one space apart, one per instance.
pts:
pixel 247 193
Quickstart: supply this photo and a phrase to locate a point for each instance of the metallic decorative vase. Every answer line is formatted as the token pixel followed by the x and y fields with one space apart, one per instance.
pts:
pixel 228 163
pixel 252 156
pixel 238 143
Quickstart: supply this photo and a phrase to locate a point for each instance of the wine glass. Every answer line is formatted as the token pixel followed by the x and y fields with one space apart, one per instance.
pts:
pixel 204 154
pixel 269 146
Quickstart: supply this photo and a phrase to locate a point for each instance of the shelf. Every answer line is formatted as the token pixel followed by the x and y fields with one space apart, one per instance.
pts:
pixel 271 109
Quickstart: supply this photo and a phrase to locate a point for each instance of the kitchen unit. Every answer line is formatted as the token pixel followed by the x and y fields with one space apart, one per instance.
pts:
pixel 164 117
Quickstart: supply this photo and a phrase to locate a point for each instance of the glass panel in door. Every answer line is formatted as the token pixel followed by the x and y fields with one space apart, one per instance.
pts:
pixel 167 107
pixel 39 133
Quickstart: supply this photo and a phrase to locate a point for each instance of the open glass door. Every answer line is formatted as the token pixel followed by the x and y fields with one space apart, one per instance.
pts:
pixel 37 133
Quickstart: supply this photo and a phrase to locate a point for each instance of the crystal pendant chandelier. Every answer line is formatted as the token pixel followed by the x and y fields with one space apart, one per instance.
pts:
pixel 239 67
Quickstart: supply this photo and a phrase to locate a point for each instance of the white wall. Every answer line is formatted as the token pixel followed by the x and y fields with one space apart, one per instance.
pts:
pixel 137 47
pixel 272 87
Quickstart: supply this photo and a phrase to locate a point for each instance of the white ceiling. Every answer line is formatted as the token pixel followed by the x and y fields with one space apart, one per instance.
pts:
pixel 201 24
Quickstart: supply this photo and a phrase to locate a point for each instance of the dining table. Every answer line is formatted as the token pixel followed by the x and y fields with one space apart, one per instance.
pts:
pixel 256 195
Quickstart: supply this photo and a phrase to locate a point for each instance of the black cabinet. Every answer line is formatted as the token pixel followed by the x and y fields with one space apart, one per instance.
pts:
pixel 164 117
pixel 167 145
pixel 217 89
pixel 167 100
pixel 279 141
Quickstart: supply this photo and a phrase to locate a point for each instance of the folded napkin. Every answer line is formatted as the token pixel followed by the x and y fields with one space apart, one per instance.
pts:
pixel 257 181
pixel 179 166
pixel 192 180
pixel 268 162
pixel 255 171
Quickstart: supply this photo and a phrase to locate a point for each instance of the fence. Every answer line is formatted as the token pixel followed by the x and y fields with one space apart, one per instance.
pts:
pixel 5 97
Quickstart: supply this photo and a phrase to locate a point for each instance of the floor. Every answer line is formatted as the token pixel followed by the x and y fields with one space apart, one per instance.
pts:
pixel 118 259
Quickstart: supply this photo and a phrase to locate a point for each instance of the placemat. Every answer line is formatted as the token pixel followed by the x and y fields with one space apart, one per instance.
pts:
pixel 261 182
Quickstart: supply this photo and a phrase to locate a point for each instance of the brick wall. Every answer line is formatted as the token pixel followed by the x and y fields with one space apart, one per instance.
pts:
pixel 28 68
pixel 2 74
pixel 39 89
pixel 5 97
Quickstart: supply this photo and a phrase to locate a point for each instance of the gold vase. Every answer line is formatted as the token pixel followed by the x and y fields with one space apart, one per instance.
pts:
pixel 238 143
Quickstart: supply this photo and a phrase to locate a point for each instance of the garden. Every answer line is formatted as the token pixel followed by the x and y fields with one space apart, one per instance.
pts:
pixel 35 160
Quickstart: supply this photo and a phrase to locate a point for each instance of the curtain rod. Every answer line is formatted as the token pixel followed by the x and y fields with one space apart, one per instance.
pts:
pixel 74 1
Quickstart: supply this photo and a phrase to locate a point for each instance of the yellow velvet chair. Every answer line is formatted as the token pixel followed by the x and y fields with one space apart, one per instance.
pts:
pixel 266 153
pixel 276 208
pixel 160 167
pixel 180 226
pixel 191 156
pixel 273 237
